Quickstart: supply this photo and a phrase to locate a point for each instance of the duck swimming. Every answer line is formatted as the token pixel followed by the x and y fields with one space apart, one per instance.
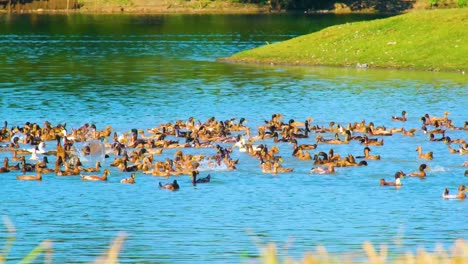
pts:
pixel 320 170
pixel 401 118
pixel 460 195
pixel 174 186
pixel 397 182
pixel 421 155
pixel 93 169
pixel 96 177
pixel 200 180
pixel 130 180
pixel 27 166
pixel 10 167
pixel 367 155
pixel 409 133
pixel 38 176
pixel 42 164
pixel 421 172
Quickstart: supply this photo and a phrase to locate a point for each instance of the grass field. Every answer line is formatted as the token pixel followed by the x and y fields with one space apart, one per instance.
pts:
pixel 424 40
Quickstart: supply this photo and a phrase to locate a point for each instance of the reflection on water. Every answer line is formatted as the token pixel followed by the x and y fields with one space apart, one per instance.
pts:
pixel 140 71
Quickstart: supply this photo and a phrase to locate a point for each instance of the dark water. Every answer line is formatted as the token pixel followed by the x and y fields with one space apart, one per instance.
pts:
pixel 141 71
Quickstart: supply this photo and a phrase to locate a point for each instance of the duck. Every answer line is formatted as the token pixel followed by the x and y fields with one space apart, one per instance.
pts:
pixel 304 146
pixel 38 176
pixel 300 154
pixel 336 140
pixel 41 149
pixel 93 169
pixel 377 131
pixel 443 119
pixel 397 182
pixel 125 168
pixel 409 133
pixel 47 170
pixel 42 164
pixel 200 180
pixel 130 180
pixel 5 169
pixel 432 138
pixel 76 170
pixel 452 150
pixel 174 186
pixel 15 156
pixel 27 166
pixel 434 131
pixel 421 173
pixel 448 140
pixel 371 141
pixel 401 118
pixel 277 168
pixel 96 177
pixel 460 195
pixel 421 155
pixel 367 156
pixel 34 154
pixel 321 170
pixel 463 149
pixel 10 167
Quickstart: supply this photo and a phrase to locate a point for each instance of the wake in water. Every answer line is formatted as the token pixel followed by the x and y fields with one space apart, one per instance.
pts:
pixel 212 165
pixel 90 151
pixel 439 169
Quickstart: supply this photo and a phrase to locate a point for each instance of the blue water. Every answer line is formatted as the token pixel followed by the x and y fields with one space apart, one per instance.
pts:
pixel 141 71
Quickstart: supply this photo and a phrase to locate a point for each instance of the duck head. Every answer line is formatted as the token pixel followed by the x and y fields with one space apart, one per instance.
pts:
pixel 422 167
pixel 362 163
pixel 175 184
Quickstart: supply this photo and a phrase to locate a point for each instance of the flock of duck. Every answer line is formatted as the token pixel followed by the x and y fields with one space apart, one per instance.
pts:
pixel 136 153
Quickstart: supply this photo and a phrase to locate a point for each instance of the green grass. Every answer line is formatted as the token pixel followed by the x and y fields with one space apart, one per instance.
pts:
pixel 424 40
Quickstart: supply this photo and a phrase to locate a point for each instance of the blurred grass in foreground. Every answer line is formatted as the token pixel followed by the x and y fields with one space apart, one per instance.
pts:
pixel 458 254
pixel 45 248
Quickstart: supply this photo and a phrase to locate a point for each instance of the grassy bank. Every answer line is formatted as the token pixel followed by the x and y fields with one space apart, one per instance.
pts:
pixel 424 40
pixel 168 7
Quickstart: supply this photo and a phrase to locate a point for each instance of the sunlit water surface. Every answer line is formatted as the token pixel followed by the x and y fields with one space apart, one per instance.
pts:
pixel 141 71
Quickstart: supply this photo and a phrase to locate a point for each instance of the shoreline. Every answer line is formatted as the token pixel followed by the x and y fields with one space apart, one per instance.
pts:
pixel 357 66
pixel 365 45
pixel 189 8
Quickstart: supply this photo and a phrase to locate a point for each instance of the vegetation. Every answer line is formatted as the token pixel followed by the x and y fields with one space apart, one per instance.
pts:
pixel 427 40
pixel 269 255
pixel 457 255
pixel 45 248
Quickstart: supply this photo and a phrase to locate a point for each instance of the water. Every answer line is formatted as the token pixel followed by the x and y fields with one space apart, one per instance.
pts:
pixel 141 71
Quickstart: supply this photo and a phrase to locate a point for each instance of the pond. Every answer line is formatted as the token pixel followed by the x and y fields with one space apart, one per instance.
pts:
pixel 142 71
